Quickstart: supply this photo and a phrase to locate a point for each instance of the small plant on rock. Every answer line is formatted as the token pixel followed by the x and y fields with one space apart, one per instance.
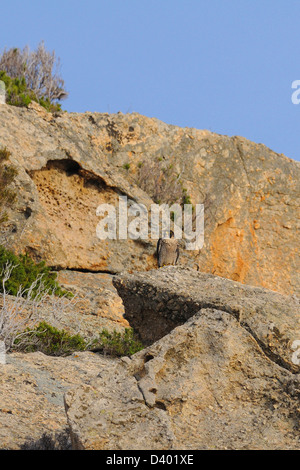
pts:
pixel 24 272
pixel 7 175
pixel 116 343
pixel 158 179
pixel 20 313
pixel 49 340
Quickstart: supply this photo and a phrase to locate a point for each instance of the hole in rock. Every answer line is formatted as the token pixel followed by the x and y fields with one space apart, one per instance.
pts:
pixel 69 196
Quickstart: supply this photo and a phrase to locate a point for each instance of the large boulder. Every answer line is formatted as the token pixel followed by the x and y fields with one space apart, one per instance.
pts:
pixel 225 377
pixel 169 296
pixel 206 385
pixel 96 303
pixel 32 388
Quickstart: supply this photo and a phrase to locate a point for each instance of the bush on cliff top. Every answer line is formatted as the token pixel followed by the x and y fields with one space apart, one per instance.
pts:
pixel 32 76
pixel 18 93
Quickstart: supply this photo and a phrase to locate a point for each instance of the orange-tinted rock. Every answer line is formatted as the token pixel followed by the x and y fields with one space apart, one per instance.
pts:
pixel 69 163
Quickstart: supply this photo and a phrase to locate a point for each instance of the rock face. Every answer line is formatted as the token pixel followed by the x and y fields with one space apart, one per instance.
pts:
pixel 208 384
pixel 70 163
pixel 99 305
pixel 169 296
pixel 62 180
pixel 225 377
pixel 95 306
pixel 222 365
pixel 32 387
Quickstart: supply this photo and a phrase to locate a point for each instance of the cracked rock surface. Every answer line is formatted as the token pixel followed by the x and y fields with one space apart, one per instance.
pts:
pixel 69 163
pixel 212 381
pixel 221 369
pixel 206 385
pixel 169 296
pixel 32 388
pixel 220 380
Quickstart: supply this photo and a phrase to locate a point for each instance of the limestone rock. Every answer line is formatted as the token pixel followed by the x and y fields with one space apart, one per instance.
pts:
pixel 218 374
pixel 212 382
pixel 100 305
pixel 206 385
pixel 169 296
pixel 32 387
pixel 70 163
pixel 62 180
pixel 96 305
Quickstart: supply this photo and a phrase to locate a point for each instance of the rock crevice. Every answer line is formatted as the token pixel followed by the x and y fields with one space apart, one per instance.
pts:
pixel 205 385
pixel 169 296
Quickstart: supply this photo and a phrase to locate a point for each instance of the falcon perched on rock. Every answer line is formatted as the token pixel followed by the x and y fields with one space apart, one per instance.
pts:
pixel 167 250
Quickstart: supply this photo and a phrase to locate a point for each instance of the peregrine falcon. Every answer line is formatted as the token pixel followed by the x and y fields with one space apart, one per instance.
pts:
pixel 167 250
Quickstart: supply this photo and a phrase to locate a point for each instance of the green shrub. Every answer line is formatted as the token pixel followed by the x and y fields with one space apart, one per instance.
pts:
pixel 117 344
pixel 7 176
pixel 51 107
pixel 49 340
pixel 18 93
pixel 186 198
pixel 25 273
pixel 40 69
pixel 53 342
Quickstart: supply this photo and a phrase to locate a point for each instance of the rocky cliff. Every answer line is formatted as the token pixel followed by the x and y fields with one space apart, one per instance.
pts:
pixel 168 297
pixel 221 366
pixel 206 385
pixel 70 163
pixel 224 376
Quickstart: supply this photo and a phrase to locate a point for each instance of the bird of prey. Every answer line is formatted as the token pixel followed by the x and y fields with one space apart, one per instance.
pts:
pixel 167 250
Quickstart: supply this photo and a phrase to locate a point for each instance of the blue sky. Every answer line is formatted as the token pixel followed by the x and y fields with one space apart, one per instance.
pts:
pixel 222 65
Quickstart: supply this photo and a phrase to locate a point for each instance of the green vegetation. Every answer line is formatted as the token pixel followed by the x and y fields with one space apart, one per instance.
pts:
pixel 18 93
pixel 126 166
pixel 53 342
pixel 49 340
pixel 7 176
pixel 186 198
pixel 118 344
pixel 32 76
pixel 25 273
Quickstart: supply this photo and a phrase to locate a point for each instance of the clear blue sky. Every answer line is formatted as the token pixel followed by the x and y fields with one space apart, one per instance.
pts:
pixel 222 65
